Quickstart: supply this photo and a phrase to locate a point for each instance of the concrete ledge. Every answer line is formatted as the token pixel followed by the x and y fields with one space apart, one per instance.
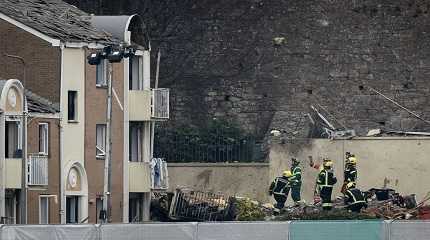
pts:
pixel 202 164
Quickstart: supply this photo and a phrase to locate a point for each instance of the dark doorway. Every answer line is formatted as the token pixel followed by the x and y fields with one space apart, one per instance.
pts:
pixel 72 209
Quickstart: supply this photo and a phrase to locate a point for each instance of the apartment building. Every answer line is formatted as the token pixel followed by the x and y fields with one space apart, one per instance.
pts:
pixel 53 40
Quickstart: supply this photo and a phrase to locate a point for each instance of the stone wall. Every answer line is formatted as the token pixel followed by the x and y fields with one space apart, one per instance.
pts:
pixel 263 63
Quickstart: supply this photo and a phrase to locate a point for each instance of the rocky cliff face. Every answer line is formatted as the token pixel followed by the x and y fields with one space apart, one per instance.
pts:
pixel 263 63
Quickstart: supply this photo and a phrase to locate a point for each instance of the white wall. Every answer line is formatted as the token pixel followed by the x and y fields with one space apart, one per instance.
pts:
pixel 73 140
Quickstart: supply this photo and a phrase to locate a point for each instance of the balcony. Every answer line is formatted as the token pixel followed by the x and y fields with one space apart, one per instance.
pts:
pixel 160 104
pixel 37 170
pixel 13 173
pixel 148 105
pixel 139 177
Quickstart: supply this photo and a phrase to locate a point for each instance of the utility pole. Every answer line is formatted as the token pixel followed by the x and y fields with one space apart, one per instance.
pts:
pixel 23 193
pixel 108 157
pixel 113 56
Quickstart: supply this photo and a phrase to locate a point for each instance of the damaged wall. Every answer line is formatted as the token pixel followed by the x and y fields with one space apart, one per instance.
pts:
pixel 401 163
pixel 234 179
pixel 262 63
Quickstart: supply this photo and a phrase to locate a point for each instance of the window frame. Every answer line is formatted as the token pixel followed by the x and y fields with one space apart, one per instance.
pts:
pixel 44 125
pixel 75 106
pixel 40 208
pixel 103 155
pixel 103 64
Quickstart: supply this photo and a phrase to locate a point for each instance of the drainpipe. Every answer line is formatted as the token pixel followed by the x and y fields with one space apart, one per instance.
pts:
pixel 108 157
pixel 62 193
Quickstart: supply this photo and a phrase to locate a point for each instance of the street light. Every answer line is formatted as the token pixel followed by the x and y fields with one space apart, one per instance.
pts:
pixel 23 197
pixel 113 55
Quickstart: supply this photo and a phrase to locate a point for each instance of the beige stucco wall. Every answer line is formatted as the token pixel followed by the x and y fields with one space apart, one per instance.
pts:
pixel 246 180
pixel 73 79
pixel 399 163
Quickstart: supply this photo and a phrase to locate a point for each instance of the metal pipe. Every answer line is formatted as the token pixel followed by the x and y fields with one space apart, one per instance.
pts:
pixel 107 165
pixel 23 195
pixel 397 104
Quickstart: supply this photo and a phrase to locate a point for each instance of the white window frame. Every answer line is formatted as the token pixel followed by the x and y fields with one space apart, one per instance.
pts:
pixel 103 65
pixel 40 209
pixel 45 150
pixel 103 154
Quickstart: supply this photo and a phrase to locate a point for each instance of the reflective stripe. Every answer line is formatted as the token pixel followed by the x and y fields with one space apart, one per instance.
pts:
pixel 327 204
pixel 330 186
pixel 355 199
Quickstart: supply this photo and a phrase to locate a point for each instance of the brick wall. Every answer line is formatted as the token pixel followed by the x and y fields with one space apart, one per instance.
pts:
pixel 43 61
pixel 95 113
pixel 220 60
pixel 53 170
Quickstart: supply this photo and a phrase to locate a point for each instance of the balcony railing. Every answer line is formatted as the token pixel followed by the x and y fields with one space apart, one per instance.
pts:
pixel 37 170
pixel 160 103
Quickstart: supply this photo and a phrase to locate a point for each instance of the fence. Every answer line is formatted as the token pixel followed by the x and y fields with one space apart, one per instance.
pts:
pixel 296 230
pixel 189 148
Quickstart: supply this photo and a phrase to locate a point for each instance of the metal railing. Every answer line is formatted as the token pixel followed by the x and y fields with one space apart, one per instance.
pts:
pixel 190 149
pixel 160 103
pixel 37 170
pixel 199 206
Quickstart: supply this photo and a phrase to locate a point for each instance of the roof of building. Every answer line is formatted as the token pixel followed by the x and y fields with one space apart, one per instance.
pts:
pixel 38 104
pixel 56 19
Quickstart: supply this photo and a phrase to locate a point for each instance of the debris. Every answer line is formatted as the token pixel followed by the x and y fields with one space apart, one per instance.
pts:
pixel 278 41
pixel 374 132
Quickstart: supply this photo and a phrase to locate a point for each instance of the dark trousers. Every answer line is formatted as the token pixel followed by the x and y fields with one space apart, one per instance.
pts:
pixel 280 200
pixel 356 207
pixel 295 192
pixel 325 194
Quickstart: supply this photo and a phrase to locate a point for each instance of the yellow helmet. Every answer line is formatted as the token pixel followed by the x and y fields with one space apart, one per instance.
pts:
pixel 327 163
pixel 350 185
pixel 352 160
pixel 287 174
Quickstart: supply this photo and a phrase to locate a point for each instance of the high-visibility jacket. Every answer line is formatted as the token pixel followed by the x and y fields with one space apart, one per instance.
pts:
pixel 354 196
pixel 296 179
pixel 350 174
pixel 279 185
pixel 326 178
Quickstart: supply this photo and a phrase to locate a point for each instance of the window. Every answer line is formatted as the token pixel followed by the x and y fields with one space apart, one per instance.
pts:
pixel 13 144
pixel 43 138
pixel 43 210
pixel 72 106
pixel 135 76
pixel 135 144
pixel 101 73
pixel 100 141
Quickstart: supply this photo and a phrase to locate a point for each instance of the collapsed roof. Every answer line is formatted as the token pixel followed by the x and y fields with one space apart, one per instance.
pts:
pixel 38 104
pixel 56 19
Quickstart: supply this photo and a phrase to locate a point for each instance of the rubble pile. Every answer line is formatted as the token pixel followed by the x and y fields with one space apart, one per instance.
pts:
pixel 190 205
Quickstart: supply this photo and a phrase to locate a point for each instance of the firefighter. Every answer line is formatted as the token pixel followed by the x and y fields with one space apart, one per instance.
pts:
pixel 351 170
pixel 354 198
pixel 280 188
pixel 325 182
pixel 295 180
